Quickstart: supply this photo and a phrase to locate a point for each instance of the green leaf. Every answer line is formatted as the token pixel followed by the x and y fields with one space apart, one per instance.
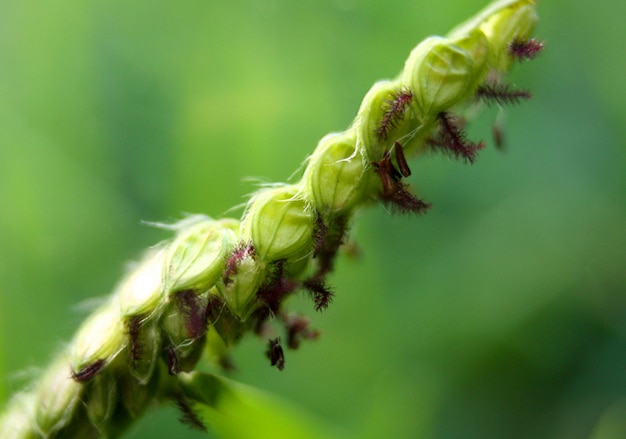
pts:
pixel 237 411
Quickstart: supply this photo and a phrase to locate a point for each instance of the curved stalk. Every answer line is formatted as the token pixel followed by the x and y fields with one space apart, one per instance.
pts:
pixel 218 279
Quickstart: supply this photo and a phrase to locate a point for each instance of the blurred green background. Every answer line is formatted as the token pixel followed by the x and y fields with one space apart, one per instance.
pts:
pixel 500 314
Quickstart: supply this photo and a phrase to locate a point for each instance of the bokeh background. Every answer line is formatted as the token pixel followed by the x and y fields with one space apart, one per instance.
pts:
pixel 501 313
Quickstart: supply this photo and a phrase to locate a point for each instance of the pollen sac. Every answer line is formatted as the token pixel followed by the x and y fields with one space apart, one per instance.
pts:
pixel 442 72
pixel 279 223
pixel 512 23
pixel 334 176
pixel 97 342
pixel 56 398
pixel 275 354
pixel 195 259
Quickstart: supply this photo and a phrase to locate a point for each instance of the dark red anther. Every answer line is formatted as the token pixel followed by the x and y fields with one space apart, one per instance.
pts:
pixel 88 372
pixel 275 353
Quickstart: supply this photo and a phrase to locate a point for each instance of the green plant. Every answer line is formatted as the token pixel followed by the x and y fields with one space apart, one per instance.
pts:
pixel 219 279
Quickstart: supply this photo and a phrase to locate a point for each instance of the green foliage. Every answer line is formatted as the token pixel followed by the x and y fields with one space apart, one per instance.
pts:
pixel 237 411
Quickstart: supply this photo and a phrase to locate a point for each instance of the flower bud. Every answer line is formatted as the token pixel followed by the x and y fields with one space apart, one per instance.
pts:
pixel 56 397
pixel 100 338
pixel 441 72
pixel 512 23
pixel 16 418
pixel 279 223
pixel 135 396
pixel 231 224
pixel 141 292
pixel 383 117
pixel 195 259
pixel 101 400
pixel 183 351
pixel 239 289
pixel 144 347
pixel 334 174
pixel 476 45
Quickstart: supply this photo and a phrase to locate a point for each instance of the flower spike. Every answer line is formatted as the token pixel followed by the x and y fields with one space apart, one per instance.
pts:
pixel 217 280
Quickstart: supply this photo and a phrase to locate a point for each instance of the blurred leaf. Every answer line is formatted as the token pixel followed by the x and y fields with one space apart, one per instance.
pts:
pixel 237 411
pixel 612 424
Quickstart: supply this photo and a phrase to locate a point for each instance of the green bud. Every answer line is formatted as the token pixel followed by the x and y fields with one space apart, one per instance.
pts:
pixel 144 347
pixel 16 421
pixel 334 174
pixel 442 73
pixel 195 259
pixel 490 10
pixel 184 324
pixel 231 224
pixel 141 292
pixel 100 338
pixel 502 28
pixel 476 45
pixel 239 290
pixel 184 357
pixel 56 397
pixel 101 400
pixel 279 223
pixel 135 396
pixel 384 116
